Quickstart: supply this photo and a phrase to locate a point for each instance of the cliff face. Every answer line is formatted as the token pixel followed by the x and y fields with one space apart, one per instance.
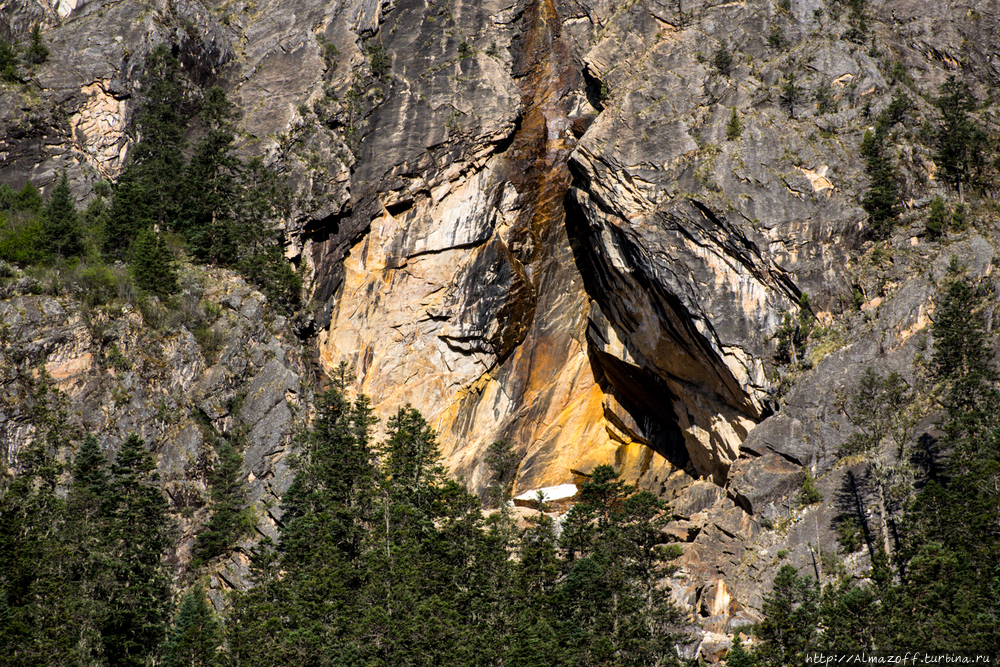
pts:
pixel 533 222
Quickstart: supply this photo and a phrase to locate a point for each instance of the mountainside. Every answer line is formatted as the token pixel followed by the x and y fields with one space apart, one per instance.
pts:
pixel 633 233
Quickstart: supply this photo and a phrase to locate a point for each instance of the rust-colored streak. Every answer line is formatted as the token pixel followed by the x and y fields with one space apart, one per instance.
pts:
pixel 536 163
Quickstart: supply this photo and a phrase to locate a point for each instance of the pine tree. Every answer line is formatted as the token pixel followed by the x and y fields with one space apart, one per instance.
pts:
pixel 37 52
pixel 961 142
pixel 195 639
pixel 937 219
pixel 723 59
pixel 502 462
pixel 66 607
pixel 148 191
pixel 138 533
pixel 8 63
pixel 738 656
pixel 962 359
pixel 28 198
pixel 791 619
pixel 229 520
pixel 881 201
pixel 946 598
pixel 211 186
pixel 305 616
pixel 61 230
pixel 880 410
pixel 850 617
pixel 261 251
pixel 412 459
pixel 734 128
pixel 153 265
pixel 29 515
pixel 609 600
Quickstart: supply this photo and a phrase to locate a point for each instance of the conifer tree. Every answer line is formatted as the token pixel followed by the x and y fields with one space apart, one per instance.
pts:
pixel 738 656
pixel 66 609
pixel 881 201
pixel 195 639
pixel 28 198
pixel 734 128
pixel 306 614
pixel 962 359
pixel 791 619
pixel 29 511
pixel 8 63
pixel 502 461
pixel 153 265
pixel 961 142
pixel 937 219
pixel 952 549
pixel 229 520
pixel 148 191
pixel 36 53
pixel 138 533
pixel 61 230
pixel 211 186
pixel 261 255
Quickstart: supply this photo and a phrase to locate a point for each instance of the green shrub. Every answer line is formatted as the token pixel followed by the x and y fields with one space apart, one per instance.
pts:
pixel 809 494
pixel 118 360
pixel 210 340
pixel 937 218
pixel 8 63
pixel 96 285
pixel 22 239
pixel 330 52
pixel 776 38
pixel 723 60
